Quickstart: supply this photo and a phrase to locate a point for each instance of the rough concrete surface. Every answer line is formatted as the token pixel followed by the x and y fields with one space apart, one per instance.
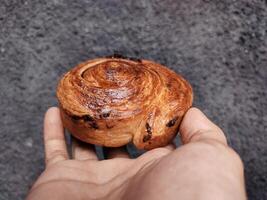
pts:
pixel 220 46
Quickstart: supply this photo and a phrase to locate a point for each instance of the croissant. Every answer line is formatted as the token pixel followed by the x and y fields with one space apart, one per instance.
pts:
pixel 114 100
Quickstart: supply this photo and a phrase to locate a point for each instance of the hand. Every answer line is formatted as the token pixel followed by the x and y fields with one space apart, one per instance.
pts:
pixel 203 168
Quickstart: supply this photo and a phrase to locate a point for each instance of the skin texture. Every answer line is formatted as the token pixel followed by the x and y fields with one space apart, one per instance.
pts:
pixel 203 168
pixel 112 101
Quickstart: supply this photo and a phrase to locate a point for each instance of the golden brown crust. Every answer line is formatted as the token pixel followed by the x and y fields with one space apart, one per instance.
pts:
pixel 112 101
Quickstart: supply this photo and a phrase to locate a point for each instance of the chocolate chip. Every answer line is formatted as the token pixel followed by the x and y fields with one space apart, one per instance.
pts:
pixel 84 117
pixel 94 125
pixel 169 85
pixel 172 122
pixel 75 117
pixel 91 121
pixel 116 55
pixel 147 137
pixel 88 118
pixel 149 133
pixel 119 55
pixel 148 128
pixel 109 126
pixel 135 59
pixel 105 115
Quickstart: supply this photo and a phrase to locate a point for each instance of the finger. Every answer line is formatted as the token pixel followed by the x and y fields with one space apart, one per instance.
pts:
pixel 118 152
pixel 196 126
pixel 82 150
pixel 54 140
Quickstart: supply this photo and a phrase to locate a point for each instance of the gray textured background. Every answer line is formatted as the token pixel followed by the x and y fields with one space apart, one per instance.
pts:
pixel 220 46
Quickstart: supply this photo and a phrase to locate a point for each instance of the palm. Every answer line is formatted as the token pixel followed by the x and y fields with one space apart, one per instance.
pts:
pixel 89 179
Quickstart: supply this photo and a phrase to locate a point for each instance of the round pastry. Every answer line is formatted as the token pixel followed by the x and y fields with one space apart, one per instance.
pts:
pixel 115 100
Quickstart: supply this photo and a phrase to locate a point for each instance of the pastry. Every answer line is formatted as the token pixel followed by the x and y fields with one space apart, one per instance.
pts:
pixel 115 100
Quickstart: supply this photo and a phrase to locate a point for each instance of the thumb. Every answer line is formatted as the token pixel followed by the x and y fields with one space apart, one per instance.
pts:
pixel 195 126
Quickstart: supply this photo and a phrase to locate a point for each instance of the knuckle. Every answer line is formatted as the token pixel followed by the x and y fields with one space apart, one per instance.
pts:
pixel 218 150
pixel 212 143
pixel 207 155
pixel 216 134
pixel 56 154
pixel 211 146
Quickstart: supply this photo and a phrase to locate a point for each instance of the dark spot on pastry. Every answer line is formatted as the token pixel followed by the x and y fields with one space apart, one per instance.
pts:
pixel 88 118
pixel 148 128
pixel 105 115
pixel 94 125
pixel 170 82
pixel 119 55
pixel 147 137
pixel 149 133
pixel 116 55
pixel 135 59
pixel 169 85
pixel 172 122
pixel 75 117
pixel 109 126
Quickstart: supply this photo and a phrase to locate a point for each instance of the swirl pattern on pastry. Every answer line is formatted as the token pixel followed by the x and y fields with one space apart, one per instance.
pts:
pixel 112 101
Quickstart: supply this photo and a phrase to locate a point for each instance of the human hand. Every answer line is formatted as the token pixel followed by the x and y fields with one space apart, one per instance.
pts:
pixel 203 168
